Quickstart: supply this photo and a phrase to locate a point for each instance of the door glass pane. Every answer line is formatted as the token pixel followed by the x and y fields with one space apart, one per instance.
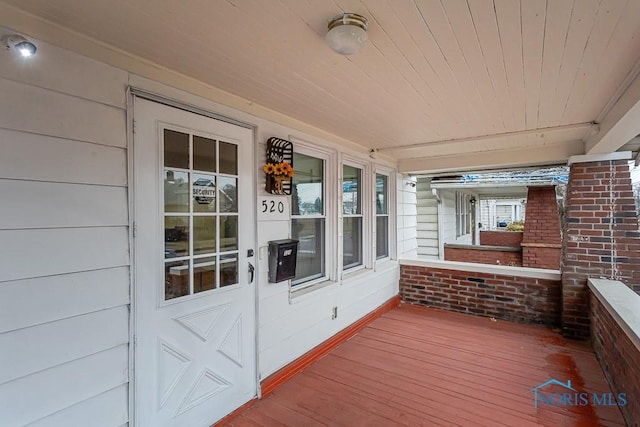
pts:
pixel 176 149
pixel 204 193
pixel 228 270
pixel 204 234
pixel 310 260
pixel 204 154
pixel 351 188
pixel 228 189
pixel 176 191
pixel 381 194
pixel 307 193
pixel 204 274
pixel 228 158
pixel 382 236
pixel 193 226
pixel 352 242
pixel 228 233
pixel 176 236
pixel 176 279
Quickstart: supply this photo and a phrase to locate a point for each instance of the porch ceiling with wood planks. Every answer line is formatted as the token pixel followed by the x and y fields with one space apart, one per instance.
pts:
pixel 418 366
pixel 441 84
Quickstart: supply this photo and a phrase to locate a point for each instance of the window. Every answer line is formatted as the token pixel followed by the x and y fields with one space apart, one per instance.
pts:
pixel 352 217
pixel 463 214
pixel 200 214
pixel 308 217
pixel 382 216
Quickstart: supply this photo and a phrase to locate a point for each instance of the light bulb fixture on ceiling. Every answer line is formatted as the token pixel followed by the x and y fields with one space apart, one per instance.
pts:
pixel 20 44
pixel 347 33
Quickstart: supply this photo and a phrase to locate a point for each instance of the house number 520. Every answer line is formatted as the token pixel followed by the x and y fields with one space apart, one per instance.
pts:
pixel 271 206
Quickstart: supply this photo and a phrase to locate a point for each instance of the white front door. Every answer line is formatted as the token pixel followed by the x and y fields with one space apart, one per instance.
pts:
pixel 195 358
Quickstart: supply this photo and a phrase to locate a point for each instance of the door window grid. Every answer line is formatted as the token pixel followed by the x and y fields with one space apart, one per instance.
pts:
pixel 214 267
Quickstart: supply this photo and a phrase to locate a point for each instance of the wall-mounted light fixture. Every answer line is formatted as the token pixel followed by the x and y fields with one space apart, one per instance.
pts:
pixel 347 33
pixel 472 201
pixel 20 44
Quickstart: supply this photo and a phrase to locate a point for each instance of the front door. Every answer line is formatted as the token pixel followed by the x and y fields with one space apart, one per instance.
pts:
pixel 194 344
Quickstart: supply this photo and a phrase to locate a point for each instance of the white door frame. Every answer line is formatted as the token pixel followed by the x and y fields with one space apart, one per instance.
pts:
pixel 131 93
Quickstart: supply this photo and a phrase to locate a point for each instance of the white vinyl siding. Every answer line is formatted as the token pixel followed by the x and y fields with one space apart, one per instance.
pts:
pixel 407 211
pixel 64 260
pixel 427 226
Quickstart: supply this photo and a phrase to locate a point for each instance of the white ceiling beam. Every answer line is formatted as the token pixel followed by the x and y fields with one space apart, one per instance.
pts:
pixel 539 138
pixel 530 156
pixel 620 124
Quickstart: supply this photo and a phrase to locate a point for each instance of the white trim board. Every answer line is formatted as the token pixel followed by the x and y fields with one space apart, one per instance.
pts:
pixel 587 158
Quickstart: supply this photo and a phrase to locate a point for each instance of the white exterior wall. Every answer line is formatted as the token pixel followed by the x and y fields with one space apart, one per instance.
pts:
pixel 447 221
pixel 407 207
pixel 64 257
pixel 64 269
pixel 428 243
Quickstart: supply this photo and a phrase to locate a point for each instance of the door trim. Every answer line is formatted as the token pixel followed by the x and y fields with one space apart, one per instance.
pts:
pixel 133 92
pixel 160 99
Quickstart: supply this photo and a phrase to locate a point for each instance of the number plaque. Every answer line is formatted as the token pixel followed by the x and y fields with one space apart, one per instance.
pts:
pixel 273 208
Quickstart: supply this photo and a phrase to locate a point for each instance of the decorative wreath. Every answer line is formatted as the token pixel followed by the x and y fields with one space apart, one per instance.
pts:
pixel 279 171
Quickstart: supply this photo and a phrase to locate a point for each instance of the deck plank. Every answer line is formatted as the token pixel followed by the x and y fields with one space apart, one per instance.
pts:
pixel 416 366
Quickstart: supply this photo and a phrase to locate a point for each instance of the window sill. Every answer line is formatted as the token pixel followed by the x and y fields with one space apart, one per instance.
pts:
pixel 385 264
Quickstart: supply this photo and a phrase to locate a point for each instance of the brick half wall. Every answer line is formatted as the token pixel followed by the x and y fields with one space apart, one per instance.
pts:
pixel 512 239
pixel 494 255
pixel 505 296
pixel 615 341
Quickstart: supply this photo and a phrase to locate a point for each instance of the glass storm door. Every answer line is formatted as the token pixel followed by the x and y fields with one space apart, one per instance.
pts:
pixel 194 302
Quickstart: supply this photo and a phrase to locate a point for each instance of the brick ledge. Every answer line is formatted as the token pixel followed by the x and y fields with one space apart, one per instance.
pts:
pixel 622 303
pixel 541 245
pixel 483 247
pixel 504 270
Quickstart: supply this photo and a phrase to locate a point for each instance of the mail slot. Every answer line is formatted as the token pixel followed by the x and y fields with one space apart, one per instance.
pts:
pixel 282 259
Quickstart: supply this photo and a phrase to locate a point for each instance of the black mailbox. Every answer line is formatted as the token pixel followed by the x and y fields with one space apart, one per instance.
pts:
pixel 282 259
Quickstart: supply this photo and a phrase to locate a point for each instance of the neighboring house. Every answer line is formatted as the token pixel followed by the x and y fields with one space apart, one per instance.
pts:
pixel 498 213
pixel 456 209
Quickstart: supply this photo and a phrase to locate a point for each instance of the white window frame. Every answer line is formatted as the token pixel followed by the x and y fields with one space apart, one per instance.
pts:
pixel 367 258
pixel 329 199
pixel 391 185
pixel 463 213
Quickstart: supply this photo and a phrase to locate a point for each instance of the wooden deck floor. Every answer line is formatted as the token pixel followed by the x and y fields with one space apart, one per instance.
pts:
pixel 417 366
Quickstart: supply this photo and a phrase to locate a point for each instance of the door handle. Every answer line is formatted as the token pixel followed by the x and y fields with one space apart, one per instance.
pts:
pixel 251 273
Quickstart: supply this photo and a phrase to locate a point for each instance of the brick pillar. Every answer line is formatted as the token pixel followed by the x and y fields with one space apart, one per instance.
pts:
pixel 541 241
pixel 601 237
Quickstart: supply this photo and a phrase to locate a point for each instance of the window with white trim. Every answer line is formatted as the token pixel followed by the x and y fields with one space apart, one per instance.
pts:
pixel 382 215
pixel 352 217
pixel 463 214
pixel 308 217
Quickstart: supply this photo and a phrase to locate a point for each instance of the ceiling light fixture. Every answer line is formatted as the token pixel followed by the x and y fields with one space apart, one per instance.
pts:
pixel 347 33
pixel 20 44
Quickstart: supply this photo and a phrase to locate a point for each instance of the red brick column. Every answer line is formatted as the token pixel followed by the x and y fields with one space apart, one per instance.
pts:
pixel 601 237
pixel 541 241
